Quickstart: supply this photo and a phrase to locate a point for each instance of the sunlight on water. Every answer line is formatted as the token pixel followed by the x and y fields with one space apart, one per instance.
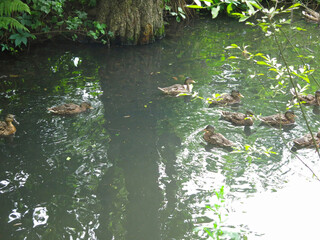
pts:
pixel 289 213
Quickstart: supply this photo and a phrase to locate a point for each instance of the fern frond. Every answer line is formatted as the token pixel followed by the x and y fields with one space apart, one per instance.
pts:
pixel 7 7
pixel 13 23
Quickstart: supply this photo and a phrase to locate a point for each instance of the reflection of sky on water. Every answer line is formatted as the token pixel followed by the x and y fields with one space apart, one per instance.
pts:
pixel 276 200
pixel 40 216
pixel 290 213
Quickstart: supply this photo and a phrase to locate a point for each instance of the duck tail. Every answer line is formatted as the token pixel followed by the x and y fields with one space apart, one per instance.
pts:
pixel 161 89
pixel 51 110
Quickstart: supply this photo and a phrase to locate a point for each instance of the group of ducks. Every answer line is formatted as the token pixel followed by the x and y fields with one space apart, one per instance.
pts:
pixel 210 136
pixel 7 128
pixel 246 119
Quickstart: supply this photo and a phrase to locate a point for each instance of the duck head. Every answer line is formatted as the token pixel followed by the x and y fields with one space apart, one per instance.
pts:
pixel 290 115
pixel 209 129
pixel 86 105
pixel 236 94
pixel 10 118
pixel 188 81
pixel 249 113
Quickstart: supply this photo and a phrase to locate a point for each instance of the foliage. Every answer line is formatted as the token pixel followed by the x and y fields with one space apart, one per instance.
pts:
pixel 43 19
pixel 176 12
pixel 246 7
pixel 286 77
pixel 7 8
pixel 254 152
pixel 219 209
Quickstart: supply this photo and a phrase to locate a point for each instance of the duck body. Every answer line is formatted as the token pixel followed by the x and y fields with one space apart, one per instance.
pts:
pixel 6 127
pixel 177 89
pixel 216 139
pixel 279 120
pixel 310 99
pixel 70 108
pixel 227 99
pixel 306 141
pixel 238 119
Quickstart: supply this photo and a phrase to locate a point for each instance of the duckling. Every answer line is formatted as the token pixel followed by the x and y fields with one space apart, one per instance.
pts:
pixel 309 99
pixel 239 119
pixel 228 99
pixel 306 141
pixel 216 139
pixel 70 108
pixel 6 126
pixel 279 120
pixel 176 89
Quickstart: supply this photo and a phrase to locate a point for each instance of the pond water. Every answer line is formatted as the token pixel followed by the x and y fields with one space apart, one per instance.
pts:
pixel 136 166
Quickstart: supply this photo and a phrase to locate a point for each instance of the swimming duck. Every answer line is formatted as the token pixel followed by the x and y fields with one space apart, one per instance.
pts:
pixel 309 99
pixel 239 119
pixel 279 120
pixel 6 126
pixel 227 99
pixel 216 139
pixel 306 141
pixel 70 108
pixel 176 89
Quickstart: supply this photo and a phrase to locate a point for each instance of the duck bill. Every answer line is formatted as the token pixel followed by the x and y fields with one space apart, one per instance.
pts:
pixel 240 95
pixel 15 121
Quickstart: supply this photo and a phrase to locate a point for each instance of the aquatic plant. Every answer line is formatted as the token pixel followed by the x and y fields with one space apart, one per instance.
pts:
pixel 219 229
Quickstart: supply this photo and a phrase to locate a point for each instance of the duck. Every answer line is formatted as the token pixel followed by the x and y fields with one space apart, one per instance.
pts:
pixel 309 99
pixel 306 141
pixel 239 119
pixel 6 126
pixel 177 89
pixel 70 108
pixel 216 139
pixel 227 99
pixel 278 120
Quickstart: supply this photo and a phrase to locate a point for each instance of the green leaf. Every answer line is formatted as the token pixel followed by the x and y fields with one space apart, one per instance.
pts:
pixel 263 63
pixel 215 11
pixel 242 19
pixel 8 7
pixel 194 6
pixel 300 29
pixel 229 8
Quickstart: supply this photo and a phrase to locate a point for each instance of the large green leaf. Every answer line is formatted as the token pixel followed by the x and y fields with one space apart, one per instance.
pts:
pixel 5 22
pixel 215 11
pixel 7 7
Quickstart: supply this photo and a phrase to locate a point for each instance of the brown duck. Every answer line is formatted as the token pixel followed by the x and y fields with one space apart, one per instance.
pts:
pixel 177 89
pixel 227 99
pixel 310 99
pixel 306 141
pixel 216 139
pixel 238 119
pixel 6 126
pixel 279 120
pixel 70 108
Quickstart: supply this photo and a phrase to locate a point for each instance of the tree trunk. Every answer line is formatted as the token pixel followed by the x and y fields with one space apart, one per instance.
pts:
pixel 132 22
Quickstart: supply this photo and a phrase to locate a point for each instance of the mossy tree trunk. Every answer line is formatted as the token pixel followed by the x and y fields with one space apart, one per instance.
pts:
pixel 132 21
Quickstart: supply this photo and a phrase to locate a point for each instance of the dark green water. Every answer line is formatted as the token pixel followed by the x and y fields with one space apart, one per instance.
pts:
pixel 135 167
